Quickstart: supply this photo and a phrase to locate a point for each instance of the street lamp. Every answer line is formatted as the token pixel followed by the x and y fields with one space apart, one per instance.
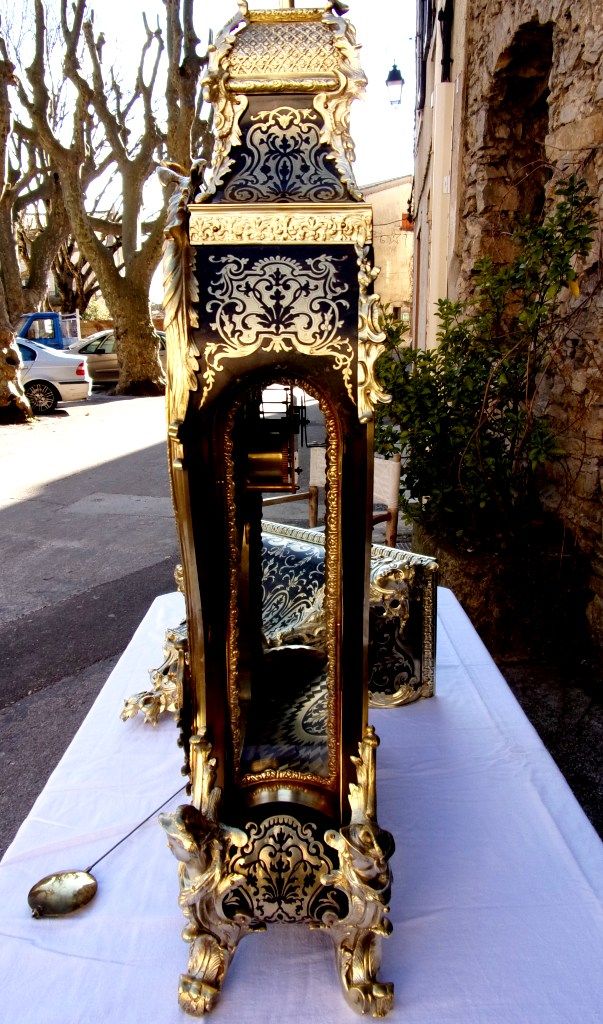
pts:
pixel 394 83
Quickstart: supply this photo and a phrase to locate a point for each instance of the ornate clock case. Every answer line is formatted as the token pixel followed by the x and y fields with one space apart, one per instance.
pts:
pixel 269 280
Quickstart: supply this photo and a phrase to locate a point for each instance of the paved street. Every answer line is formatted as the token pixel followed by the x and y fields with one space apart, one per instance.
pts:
pixel 88 541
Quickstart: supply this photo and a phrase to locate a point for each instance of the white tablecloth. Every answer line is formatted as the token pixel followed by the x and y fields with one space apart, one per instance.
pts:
pixel 498 875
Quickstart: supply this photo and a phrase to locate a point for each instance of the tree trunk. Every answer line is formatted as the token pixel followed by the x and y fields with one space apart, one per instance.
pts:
pixel 140 371
pixel 12 299
pixel 127 297
pixel 14 407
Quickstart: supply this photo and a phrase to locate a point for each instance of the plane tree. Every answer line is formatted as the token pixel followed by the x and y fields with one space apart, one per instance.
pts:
pixel 29 191
pixel 121 130
pixel 66 142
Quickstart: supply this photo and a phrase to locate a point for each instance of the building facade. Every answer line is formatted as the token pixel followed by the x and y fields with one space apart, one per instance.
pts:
pixel 510 97
pixel 393 242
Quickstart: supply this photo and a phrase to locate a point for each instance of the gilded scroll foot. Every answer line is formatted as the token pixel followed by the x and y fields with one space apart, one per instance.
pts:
pixel 199 990
pixel 203 847
pixel 358 958
pixel 365 877
pixel 200 845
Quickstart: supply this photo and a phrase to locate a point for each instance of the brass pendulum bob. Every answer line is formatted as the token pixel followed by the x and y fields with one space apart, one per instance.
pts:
pixel 62 892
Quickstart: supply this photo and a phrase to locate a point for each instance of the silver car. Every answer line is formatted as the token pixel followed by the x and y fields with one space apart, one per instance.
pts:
pixel 50 376
pixel 101 356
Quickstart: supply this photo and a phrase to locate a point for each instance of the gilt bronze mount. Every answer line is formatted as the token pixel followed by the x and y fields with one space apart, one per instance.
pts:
pixel 338 880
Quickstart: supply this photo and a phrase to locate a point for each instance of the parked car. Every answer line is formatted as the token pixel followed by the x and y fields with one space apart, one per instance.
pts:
pixel 49 376
pixel 55 330
pixel 101 356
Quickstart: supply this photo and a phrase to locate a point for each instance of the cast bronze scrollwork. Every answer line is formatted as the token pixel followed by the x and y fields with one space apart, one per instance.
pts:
pixel 167 681
pixel 280 304
pixel 231 225
pixel 200 844
pixel 234 881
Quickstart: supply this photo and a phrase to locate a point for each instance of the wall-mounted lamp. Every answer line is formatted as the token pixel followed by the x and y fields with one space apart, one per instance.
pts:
pixel 394 83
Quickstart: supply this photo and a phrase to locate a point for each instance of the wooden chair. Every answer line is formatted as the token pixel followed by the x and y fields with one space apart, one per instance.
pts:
pixel 386 491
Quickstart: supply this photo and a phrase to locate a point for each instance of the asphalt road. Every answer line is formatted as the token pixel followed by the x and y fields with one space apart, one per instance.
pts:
pixel 88 541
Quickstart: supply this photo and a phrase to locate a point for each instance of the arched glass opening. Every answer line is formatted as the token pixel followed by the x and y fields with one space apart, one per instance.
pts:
pixel 284 595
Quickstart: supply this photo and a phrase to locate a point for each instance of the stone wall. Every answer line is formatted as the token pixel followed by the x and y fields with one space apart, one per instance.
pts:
pixel 533 112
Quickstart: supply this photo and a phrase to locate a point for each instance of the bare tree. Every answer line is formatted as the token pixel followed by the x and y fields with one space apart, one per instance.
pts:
pixel 30 196
pixel 45 195
pixel 75 282
pixel 104 128
pixel 27 181
pixel 33 225
pixel 13 403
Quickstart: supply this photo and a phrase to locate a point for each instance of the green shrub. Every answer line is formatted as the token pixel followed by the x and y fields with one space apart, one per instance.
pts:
pixel 466 415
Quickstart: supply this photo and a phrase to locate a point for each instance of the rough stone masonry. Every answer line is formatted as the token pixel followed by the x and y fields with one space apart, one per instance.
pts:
pixel 534 106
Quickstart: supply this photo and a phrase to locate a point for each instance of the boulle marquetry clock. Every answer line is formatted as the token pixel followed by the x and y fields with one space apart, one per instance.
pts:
pixel 269 281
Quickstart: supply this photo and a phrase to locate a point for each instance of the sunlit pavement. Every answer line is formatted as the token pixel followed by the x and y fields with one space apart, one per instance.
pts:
pixel 88 541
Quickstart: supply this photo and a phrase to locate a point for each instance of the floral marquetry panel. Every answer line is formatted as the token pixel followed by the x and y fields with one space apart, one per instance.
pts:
pixel 282 158
pixel 264 302
pixel 295 891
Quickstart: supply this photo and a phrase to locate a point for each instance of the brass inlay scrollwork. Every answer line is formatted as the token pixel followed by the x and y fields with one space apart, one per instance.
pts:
pixel 283 864
pixel 279 304
pixel 284 161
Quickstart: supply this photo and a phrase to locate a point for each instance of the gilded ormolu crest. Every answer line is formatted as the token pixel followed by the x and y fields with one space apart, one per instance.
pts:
pixel 269 281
